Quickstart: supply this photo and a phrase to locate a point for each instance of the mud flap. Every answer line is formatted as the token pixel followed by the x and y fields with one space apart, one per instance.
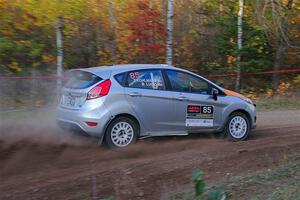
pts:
pixel 100 140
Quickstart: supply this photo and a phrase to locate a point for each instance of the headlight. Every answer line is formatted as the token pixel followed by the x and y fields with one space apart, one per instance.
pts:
pixel 247 100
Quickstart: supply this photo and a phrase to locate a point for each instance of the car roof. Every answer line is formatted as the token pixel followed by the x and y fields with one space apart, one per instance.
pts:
pixel 124 67
pixel 107 71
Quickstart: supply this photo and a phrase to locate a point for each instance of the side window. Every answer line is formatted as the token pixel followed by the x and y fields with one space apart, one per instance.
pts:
pixel 120 78
pixel 184 82
pixel 146 79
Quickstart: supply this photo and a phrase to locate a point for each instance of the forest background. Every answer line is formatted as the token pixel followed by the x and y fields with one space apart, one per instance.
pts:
pixel 104 32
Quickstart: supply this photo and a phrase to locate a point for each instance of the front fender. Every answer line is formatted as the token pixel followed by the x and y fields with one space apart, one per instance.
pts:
pixel 246 108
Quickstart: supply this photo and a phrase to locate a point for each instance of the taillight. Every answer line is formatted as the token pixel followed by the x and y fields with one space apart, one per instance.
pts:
pixel 99 90
pixel 91 123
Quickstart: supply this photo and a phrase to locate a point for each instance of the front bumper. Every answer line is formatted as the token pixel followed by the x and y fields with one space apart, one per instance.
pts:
pixel 252 111
pixel 254 122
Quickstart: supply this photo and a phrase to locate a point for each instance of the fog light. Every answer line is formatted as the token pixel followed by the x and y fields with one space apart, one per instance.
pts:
pixel 91 123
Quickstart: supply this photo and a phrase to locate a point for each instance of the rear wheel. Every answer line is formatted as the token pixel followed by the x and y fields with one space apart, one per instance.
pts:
pixel 237 127
pixel 121 132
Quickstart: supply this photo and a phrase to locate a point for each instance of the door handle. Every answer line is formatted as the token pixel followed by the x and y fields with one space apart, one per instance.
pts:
pixel 135 94
pixel 182 98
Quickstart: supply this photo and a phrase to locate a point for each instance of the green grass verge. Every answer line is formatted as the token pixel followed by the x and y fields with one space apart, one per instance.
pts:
pixel 24 114
pixel 281 183
pixel 278 103
pixel 17 114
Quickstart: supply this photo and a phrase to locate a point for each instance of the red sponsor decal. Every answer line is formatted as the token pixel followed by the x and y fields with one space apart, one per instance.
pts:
pixel 193 108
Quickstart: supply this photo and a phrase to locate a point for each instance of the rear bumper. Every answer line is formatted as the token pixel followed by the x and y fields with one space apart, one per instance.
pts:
pixel 76 120
pixel 70 126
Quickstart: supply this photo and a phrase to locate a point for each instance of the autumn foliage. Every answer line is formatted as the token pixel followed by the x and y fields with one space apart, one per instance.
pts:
pixel 147 31
pixel 101 32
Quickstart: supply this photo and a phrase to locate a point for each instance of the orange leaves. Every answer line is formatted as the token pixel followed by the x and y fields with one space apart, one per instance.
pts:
pixel 146 30
pixel 230 59
pixel 284 88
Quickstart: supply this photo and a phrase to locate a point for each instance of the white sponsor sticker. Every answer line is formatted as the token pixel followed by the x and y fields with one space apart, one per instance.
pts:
pixel 199 122
pixel 200 115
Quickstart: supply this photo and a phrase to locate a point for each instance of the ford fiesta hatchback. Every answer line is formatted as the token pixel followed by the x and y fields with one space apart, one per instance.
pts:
pixel 121 103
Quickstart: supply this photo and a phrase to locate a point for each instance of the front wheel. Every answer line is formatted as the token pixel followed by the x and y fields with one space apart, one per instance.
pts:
pixel 121 132
pixel 237 127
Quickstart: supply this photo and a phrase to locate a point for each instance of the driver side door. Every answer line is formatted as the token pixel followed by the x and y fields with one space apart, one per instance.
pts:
pixel 195 108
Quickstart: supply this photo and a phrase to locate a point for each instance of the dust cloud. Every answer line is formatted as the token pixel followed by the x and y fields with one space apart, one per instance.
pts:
pixel 27 113
pixel 39 127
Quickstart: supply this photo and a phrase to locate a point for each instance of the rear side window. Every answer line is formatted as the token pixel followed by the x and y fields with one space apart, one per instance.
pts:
pixel 120 78
pixel 81 80
pixel 146 79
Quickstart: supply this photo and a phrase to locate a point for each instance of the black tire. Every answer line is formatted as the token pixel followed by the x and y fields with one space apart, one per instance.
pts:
pixel 234 135
pixel 109 132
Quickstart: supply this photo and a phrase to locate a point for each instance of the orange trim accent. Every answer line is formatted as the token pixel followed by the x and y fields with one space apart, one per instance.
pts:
pixel 233 94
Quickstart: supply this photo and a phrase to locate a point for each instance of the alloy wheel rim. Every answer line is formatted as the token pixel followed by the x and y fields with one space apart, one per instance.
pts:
pixel 238 127
pixel 122 134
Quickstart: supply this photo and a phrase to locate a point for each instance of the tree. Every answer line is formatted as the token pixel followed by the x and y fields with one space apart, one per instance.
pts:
pixel 256 52
pixel 203 38
pixel 275 17
pixel 112 20
pixel 59 43
pixel 146 33
pixel 239 44
pixel 169 52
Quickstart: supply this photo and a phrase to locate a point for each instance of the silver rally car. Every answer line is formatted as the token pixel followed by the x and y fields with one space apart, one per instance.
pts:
pixel 121 103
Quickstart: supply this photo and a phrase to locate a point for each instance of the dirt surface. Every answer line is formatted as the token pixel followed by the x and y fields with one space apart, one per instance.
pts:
pixel 41 162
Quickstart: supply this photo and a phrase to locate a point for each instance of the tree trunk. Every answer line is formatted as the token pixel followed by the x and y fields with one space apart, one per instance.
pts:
pixel 281 45
pixel 112 19
pixel 280 50
pixel 240 45
pixel 33 88
pixel 169 49
pixel 97 35
pixel 59 43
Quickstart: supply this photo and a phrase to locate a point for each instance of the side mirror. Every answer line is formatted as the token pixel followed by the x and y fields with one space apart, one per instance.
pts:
pixel 215 93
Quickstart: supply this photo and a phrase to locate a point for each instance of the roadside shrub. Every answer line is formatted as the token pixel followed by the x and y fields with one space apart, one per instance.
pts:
pixel 205 193
pixel 197 177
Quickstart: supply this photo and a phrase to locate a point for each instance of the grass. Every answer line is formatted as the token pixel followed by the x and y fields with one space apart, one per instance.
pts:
pixel 20 114
pixel 17 114
pixel 278 103
pixel 281 183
